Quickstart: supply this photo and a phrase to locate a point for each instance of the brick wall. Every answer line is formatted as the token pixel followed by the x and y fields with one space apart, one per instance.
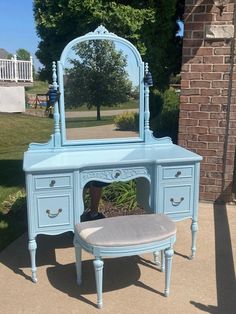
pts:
pixel 207 123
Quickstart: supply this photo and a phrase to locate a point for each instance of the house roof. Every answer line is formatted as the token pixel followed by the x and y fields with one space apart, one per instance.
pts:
pixel 4 54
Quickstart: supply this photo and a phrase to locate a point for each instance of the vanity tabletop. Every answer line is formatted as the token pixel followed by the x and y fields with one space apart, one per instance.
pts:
pixel 65 159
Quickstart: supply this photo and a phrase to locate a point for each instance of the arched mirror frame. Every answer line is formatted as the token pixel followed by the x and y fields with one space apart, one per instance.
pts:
pixel 101 33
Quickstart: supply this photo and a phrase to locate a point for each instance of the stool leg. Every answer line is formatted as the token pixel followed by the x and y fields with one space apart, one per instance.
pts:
pixel 156 258
pixel 168 261
pixel 162 261
pixel 98 267
pixel 78 262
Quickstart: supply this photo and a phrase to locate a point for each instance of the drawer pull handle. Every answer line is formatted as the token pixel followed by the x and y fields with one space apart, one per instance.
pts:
pixel 53 215
pixel 176 203
pixel 178 173
pixel 52 183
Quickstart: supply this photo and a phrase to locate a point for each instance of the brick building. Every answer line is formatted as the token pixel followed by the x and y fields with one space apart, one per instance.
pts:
pixel 207 122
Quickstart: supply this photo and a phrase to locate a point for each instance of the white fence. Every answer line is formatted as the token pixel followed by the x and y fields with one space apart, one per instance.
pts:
pixel 14 70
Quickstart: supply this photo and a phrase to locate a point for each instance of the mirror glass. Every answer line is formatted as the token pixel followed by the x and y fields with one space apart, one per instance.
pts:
pixel 101 80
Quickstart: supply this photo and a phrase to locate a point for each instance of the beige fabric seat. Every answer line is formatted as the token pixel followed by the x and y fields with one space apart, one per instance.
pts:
pixel 124 236
pixel 126 230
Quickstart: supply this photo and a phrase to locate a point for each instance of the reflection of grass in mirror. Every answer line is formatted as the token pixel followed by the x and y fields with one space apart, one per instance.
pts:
pixel 132 104
pixel 88 122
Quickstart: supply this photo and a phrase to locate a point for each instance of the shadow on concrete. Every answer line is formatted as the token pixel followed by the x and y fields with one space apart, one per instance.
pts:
pixel 225 272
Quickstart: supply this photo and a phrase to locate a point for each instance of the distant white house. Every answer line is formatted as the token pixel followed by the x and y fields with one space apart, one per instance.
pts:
pixel 14 76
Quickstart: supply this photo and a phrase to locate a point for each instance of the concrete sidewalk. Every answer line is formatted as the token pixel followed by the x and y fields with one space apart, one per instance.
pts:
pixel 131 284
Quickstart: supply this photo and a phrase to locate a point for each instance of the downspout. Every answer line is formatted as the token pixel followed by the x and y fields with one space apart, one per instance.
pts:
pixel 229 99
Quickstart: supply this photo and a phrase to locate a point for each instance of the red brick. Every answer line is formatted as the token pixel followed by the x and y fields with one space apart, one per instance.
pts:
pixel 212 76
pixel 197 130
pixel 198 115
pixel 222 51
pixel 190 91
pixel 201 67
pixel 209 123
pixel 202 17
pixel 207 152
pixel 213 59
pixel 216 130
pixel 208 138
pixel 210 92
pixel 190 76
pixel 210 108
pixel 219 100
pixel 185 83
pixel 185 122
pixel 199 84
pixel 203 51
pixel 220 84
pixel 225 17
pixel 200 99
pixel 221 68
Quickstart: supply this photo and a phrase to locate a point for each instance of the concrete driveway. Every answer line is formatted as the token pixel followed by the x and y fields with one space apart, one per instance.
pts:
pixel 132 285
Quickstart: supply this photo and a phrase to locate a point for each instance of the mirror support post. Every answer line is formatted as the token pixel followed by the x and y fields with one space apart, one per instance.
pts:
pixel 56 115
pixel 146 96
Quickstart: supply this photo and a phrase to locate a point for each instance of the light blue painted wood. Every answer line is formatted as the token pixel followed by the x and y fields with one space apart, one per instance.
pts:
pixel 56 172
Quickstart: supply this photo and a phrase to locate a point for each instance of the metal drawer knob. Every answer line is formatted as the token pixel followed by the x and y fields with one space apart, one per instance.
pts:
pixel 176 203
pixel 48 211
pixel 52 183
pixel 178 173
pixel 117 174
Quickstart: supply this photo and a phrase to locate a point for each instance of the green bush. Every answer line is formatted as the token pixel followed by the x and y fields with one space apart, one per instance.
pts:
pixel 122 194
pixel 127 121
pixel 165 123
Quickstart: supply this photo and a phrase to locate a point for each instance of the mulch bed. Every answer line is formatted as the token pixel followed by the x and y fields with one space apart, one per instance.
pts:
pixel 111 210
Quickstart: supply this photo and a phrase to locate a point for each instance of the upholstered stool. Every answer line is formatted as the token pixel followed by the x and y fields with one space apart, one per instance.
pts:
pixel 124 236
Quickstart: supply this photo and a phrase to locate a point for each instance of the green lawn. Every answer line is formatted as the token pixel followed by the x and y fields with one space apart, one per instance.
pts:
pixel 17 131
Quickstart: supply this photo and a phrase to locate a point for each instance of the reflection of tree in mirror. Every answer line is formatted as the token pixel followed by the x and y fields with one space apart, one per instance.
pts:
pixel 97 76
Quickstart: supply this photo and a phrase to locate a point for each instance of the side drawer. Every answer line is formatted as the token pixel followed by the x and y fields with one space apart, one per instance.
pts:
pixel 177 199
pixel 177 172
pixel 54 210
pixel 52 181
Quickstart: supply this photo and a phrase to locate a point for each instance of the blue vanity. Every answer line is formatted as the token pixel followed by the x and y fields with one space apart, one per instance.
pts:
pixel 167 175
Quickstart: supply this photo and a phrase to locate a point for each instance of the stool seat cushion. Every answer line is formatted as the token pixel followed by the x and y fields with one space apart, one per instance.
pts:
pixel 126 230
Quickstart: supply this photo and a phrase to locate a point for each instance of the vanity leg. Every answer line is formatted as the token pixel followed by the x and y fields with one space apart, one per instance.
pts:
pixel 194 229
pixel 98 267
pixel 32 249
pixel 78 262
pixel 168 261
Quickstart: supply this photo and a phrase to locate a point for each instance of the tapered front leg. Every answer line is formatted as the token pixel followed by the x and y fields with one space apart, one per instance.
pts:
pixel 32 250
pixel 194 229
pixel 168 261
pixel 98 267
pixel 78 262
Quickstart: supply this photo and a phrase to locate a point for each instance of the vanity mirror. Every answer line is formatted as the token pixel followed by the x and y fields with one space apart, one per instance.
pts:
pixel 101 84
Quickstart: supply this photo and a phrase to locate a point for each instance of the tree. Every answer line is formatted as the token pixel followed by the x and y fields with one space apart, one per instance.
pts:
pixel 150 25
pixel 97 76
pixel 22 54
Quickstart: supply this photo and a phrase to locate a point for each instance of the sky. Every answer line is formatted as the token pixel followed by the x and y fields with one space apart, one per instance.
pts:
pixel 17 28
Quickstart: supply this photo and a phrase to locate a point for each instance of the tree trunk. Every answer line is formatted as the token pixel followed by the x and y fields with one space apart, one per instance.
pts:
pixel 98 113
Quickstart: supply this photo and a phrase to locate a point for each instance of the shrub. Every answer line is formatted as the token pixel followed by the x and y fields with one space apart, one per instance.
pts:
pixel 127 121
pixel 166 122
pixel 122 194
